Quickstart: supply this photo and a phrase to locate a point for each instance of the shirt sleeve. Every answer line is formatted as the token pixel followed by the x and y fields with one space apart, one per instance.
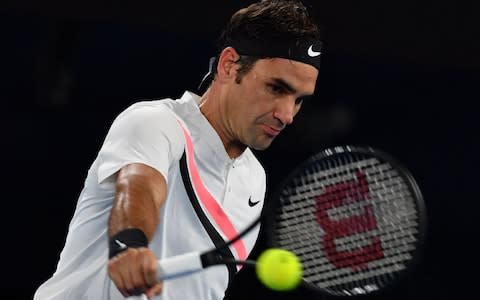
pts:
pixel 145 134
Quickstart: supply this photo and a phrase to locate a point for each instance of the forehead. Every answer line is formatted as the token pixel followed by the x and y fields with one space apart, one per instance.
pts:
pixel 300 76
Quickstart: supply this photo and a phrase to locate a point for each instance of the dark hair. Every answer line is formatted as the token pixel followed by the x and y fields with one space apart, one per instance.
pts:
pixel 267 20
pixel 270 20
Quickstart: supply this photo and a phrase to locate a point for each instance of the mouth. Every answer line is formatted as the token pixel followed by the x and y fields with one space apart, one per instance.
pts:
pixel 271 131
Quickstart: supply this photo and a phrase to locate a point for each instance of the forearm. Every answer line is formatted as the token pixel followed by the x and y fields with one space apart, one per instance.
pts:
pixel 140 192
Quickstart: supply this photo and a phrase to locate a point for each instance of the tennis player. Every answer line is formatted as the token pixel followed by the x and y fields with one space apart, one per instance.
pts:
pixel 178 175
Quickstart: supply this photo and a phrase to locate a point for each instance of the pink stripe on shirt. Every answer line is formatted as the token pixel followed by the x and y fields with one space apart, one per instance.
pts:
pixel 209 202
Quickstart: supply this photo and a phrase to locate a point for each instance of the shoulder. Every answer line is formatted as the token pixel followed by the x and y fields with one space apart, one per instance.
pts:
pixel 177 108
pixel 148 122
pixel 148 109
pixel 149 115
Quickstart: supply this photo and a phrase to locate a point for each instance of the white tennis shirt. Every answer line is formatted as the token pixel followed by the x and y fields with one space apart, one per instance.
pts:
pixel 209 199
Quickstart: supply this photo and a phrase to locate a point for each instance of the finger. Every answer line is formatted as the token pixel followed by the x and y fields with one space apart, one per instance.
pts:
pixel 139 284
pixel 116 276
pixel 149 268
pixel 125 270
pixel 154 291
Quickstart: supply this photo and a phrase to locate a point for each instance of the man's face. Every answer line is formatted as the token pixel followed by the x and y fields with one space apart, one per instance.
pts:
pixel 267 99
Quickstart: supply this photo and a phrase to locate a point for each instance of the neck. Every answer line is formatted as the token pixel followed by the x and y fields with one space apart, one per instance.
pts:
pixel 213 108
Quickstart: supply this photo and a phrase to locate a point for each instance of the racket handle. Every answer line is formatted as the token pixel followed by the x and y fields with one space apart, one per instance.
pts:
pixel 176 266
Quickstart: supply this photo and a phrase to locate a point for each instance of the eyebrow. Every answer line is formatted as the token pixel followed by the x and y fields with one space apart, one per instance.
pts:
pixel 285 85
pixel 290 88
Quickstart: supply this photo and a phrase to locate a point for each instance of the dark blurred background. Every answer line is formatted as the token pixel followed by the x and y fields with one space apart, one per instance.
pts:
pixel 398 75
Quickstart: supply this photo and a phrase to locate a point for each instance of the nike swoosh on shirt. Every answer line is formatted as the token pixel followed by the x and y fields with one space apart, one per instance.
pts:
pixel 252 204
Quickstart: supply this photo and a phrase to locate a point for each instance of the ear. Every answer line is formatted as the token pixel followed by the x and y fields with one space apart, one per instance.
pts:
pixel 227 67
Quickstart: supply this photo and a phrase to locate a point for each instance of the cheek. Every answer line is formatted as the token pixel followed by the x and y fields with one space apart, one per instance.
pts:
pixel 256 104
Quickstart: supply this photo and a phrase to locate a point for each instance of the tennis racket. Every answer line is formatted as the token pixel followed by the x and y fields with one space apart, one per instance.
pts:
pixel 353 215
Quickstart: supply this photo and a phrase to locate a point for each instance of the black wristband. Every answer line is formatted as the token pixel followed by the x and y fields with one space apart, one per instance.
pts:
pixel 128 238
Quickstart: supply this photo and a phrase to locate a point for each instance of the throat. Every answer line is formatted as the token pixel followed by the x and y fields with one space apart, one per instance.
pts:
pixel 213 114
pixel 234 149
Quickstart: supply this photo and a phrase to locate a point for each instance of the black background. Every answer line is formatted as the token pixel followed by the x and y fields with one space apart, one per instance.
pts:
pixel 398 75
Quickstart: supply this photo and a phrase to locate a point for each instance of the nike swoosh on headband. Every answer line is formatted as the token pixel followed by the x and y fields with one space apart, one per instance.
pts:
pixel 313 53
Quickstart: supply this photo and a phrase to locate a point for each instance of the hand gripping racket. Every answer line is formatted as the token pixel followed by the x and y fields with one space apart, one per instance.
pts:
pixel 353 215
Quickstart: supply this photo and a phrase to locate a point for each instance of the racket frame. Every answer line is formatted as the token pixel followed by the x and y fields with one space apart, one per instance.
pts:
pixel 417 254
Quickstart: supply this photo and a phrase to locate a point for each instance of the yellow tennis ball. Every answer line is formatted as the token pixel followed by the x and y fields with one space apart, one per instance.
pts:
pixel 279 269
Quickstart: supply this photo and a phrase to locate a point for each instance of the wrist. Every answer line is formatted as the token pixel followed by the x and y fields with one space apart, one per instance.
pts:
pixel 127 238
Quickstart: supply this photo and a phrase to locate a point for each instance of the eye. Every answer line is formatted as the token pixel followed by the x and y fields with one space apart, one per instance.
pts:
pixel 276 89
pixel 300 100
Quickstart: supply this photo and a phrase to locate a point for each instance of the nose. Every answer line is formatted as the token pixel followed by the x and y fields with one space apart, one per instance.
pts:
pixel 285 110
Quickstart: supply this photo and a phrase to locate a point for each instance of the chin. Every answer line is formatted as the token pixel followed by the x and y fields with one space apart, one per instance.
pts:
pixel 261 146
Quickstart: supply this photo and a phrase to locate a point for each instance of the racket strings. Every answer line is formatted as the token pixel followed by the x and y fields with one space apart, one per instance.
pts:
pixel 351 221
